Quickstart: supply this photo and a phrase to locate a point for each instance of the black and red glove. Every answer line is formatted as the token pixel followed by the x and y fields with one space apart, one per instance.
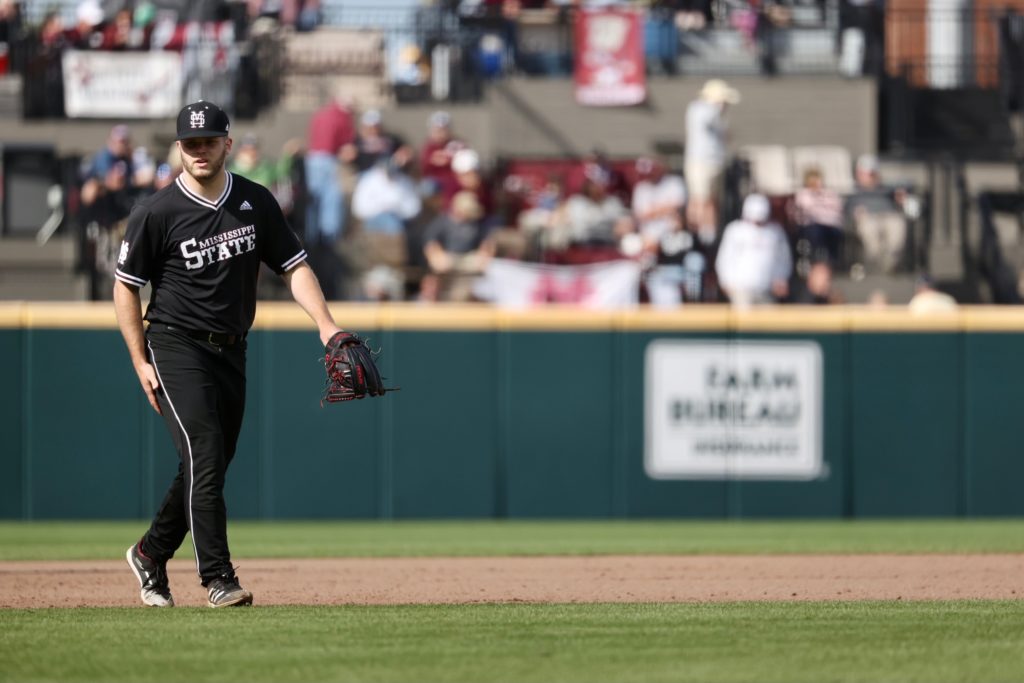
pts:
pixel 351 369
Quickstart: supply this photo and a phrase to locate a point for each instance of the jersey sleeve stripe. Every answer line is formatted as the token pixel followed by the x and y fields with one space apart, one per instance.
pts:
pixel 294 260
pixel 130 279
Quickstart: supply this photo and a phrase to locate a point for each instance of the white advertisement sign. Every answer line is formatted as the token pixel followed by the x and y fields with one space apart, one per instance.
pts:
pixel 733 410
pixel 122 85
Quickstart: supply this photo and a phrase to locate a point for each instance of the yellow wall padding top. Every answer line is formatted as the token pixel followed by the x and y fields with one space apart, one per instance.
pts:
pixel 276 315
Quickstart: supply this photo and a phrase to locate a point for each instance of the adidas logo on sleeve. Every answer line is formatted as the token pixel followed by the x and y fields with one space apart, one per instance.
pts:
pixel 246 206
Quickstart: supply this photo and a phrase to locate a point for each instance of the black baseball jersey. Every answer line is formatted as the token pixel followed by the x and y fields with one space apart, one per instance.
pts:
pixel 203 257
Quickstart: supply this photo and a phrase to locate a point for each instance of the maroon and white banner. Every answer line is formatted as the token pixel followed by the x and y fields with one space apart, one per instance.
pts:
pixel 514 284
pixel 609 60
pixel 122 85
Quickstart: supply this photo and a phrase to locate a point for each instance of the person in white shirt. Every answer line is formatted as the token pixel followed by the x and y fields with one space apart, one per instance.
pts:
pixel 754 260
pixel 658 201
pixel 385 198
pixel 706 154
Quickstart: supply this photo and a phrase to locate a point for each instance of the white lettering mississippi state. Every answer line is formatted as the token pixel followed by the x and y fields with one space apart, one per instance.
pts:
pixel 230 243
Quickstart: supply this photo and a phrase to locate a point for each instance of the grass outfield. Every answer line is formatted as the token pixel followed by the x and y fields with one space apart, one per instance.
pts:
pixel 765 642
pixel 105 540
pixel 752 641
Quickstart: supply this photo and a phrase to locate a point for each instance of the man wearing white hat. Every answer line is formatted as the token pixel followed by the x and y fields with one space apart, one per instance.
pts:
pixel 706 154
pixel 754 260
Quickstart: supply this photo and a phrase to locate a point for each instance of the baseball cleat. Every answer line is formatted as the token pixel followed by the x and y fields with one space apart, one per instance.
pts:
pixel 224 591
pixel 152 577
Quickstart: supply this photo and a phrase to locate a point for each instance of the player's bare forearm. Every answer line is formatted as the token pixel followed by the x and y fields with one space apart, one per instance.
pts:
pixel 128 308
pixel 305 289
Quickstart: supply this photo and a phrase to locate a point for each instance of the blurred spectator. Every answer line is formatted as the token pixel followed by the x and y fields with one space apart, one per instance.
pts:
pixel 469 178
pixel 113 180
pixel 43 85
pixel 594 218
pixel 596 164
pixel 385 201
pixel 164 175
pixel 754 260
pixel 117 148
pixel 88 31
pixel 432 205
pixel 538 224
pixel 373 144
pixel 10 32
pixel 456 250
pixel 861 37
pixel 875 215
pixel 659 199
pixel 437 152
pixel 692 15
pixel 928 299
pixel 121 33
pixel 385 198
pixel 51 31
pixel 383 283
pixel 706 155
pixel 661 36
pixel 818 215
pixel 330 131
pixel 248 161
pixel 410 74
pixel 109 180
pixel 496 23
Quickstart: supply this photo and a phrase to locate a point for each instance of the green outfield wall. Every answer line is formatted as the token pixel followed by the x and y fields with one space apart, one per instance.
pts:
pixel 521 414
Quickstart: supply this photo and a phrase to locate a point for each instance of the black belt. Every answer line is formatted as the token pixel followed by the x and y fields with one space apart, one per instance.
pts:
pixel 215 338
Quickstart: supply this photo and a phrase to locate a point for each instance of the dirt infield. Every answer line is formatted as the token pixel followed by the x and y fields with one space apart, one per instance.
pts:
pixel 538 579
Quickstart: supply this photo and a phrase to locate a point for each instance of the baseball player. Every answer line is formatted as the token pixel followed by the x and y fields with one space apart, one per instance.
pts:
pixel 200 242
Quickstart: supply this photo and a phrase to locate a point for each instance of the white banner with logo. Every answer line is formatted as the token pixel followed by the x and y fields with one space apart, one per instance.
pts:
pixel 122 85
pixel 733 410
pixel 514 284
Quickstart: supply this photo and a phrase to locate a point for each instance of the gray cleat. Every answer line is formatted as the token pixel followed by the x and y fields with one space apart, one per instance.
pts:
pixel 152 576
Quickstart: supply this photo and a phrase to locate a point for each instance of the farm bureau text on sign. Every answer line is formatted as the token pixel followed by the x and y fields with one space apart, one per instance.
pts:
pixel 733 410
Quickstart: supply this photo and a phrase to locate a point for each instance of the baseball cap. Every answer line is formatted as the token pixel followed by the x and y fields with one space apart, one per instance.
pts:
pixel 868 163
pixel 89 12
pixel 717 90
pixel 440 119
pixel 465 160
pixel 371 117
pixel 645 165
pixel 202 120
pixel 756 208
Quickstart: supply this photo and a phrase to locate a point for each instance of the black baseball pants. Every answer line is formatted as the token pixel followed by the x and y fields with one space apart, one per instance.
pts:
pixel 202 396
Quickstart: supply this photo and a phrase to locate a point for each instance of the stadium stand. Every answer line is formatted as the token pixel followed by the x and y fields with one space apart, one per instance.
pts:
pixel 815 94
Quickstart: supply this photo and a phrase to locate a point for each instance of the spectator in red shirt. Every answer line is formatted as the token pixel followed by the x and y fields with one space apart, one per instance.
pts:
pixel 330 130
pixel 437 152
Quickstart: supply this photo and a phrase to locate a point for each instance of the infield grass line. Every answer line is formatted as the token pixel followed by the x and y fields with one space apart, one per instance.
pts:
pixel 300 539
pixel 958 641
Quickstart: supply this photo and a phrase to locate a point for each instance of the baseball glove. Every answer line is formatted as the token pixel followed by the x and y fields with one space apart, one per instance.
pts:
pixel 351 369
